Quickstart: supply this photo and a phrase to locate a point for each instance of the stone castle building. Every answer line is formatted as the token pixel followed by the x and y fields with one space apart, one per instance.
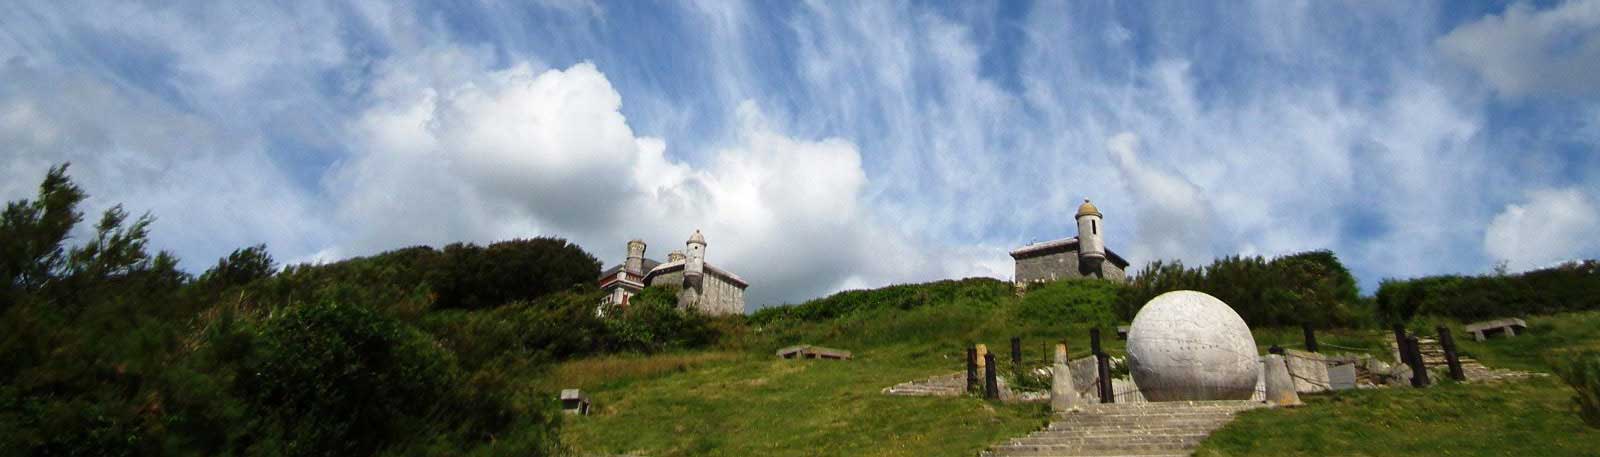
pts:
pixel 697 283
pixel 1082 256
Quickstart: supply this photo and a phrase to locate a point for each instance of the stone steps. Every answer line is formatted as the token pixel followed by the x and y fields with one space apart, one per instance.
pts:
pixel 1128 430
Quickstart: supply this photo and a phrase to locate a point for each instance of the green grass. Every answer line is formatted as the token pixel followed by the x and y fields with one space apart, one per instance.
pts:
pixel 740 400
pixel 761 405
pixel 1532 417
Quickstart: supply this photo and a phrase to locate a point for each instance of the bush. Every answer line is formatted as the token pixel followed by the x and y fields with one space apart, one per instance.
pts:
pixel 904 297
pixel 344 380
pixel 1570 287
pixel 653 322
pixel 1582 372
pixel 1305 288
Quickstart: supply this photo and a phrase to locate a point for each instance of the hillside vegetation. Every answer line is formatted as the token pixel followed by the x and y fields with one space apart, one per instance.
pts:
pixel 110 349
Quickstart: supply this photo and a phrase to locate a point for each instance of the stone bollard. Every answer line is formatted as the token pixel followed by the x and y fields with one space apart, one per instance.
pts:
pixel 1280 387
pixel 1063 397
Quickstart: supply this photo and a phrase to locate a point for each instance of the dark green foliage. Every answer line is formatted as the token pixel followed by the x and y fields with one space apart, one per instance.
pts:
pixel 112 351
pixel 653 322
pixel 241 267
pixel 464 276
pixel 1086 301
pixel 344 380
pixel 475 277
pixel 1305 288
pixel 1582 372
pixel 1570 287
pixel 904 297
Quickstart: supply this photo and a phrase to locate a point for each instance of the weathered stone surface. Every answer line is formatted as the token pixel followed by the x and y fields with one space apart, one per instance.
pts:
pixel 1308 369
pixel 1063 397
pixel 1342 377
pixel 573 401
pixel 806 351
pixel 1280 387
pixel 1509 326
pixel 1187 345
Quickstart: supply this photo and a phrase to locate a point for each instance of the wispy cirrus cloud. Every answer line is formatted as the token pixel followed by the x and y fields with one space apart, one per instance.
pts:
pixel 822 145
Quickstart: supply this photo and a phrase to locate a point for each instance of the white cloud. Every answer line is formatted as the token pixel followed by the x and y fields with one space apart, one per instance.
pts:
pixel 210 192
pixel 1527 51
pixel 1551 226
pixel 494 154
pixel 1174 215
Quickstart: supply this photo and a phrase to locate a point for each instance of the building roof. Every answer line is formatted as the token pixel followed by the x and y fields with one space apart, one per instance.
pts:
pixel 675 266
pixel 646 265
pixel 697 238
pixel 1088 208
pixel 1061 245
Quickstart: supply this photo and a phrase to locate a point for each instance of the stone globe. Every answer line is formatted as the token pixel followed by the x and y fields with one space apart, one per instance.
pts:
pixel 1187 345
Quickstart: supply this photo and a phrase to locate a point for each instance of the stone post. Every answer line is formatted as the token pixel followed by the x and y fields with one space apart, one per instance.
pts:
pixel 991 386
pixel 1280 387
pixel 1311 337
pixel 1449 344
pixel 1063 397
pixel 1419 370
pixel 972 369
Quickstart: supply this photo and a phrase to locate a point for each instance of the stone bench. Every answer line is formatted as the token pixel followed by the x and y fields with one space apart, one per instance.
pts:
pixel 573 401
pixel 1509 326
pixel 806 351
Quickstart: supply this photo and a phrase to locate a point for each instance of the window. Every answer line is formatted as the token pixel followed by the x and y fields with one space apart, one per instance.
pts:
pixel 1094 226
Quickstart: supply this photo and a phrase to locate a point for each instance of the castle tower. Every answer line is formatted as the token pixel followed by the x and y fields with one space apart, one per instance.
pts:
pixel 675 256
pixel 635 264
pixel 1091 247
pixel 695 250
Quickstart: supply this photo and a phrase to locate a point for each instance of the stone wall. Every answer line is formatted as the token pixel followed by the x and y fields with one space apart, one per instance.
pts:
pixel 718 296
pixel 1061 265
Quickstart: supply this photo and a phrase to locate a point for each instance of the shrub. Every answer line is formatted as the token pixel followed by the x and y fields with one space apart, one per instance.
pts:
pixel 1304 288
pixel 1570 287
pixel 1582 372
pixel 904 296
pixel 344 380
pixel 653 322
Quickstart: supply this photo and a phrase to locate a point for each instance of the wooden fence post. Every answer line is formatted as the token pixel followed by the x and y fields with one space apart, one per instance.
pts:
pixel 972 369
pixel 991 387
pixel 1311 337
pixel 1448 342
pixel 1419 371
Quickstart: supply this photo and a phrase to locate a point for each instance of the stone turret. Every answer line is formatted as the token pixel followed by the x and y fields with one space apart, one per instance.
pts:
pixel 635 264
pixel 1091 247
pixel 675 256
pixel 695 263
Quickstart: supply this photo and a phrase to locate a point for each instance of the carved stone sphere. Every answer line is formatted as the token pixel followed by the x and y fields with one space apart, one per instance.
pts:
pixel 1187 345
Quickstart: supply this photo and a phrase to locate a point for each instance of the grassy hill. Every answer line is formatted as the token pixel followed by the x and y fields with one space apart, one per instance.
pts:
pixel 741 400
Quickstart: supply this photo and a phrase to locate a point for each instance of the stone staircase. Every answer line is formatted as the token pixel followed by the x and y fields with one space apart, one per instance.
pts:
pixel 1433 358
pixel 1158 429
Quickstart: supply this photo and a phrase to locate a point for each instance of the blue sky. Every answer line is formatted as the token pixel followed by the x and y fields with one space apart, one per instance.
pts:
pixel 825 145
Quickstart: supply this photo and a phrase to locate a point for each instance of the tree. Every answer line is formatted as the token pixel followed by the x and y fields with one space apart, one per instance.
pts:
pixel 241 267
pixel 32 233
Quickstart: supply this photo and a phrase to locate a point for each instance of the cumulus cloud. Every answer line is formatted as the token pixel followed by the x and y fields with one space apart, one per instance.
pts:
pixel 491 154
pixel 1532 51
pixel 1553 225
